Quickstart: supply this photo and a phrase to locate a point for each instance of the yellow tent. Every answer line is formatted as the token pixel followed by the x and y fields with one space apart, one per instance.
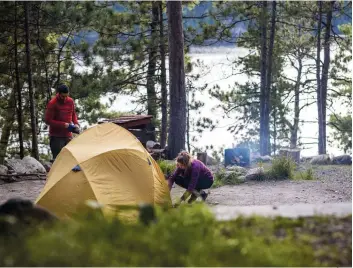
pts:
pixel 115 170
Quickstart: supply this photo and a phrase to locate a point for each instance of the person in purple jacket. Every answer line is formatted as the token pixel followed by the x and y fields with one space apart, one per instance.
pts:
pixel 192 175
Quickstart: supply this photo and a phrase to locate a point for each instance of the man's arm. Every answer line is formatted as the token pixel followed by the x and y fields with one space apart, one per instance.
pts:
pixel 49 117
pixel 74 115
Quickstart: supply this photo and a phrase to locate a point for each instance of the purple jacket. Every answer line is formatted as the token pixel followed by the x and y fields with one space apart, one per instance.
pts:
pixel 198 172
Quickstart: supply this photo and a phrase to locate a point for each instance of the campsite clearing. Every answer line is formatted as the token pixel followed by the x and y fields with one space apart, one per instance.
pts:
pixel 334 186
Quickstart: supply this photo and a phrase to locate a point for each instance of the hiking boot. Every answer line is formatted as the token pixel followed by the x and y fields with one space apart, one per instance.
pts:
pixel 204 195
pixel 192 198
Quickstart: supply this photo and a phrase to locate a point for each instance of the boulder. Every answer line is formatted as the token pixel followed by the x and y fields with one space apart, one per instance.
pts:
pixel 211 160
pixel 265 158
pixel 16 165
pixel 305 159
pixel 28 165
pixel 255 174
pixel 322 159
pixel 342 160
pixel 3 170
pixel 33 165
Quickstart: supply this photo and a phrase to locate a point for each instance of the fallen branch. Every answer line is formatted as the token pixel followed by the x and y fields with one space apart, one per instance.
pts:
pixel 9 178
pixel 23 175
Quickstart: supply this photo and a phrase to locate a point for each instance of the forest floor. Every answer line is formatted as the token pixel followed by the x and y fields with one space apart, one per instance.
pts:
pixel 333 185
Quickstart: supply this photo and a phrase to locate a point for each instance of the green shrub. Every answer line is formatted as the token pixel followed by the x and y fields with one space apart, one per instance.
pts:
pixel 167 167
pixel 282 168
pixel 307 175
pixel 187 236
pixel 222 177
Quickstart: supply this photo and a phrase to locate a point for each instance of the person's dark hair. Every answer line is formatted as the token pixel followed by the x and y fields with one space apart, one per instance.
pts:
pixel 184 158
pixel 63 89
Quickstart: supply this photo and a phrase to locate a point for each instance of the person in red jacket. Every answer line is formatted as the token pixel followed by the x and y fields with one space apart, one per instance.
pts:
pixel 62 120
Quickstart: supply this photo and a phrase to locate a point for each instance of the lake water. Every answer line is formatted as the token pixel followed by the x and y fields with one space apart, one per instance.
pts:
pixel 218 63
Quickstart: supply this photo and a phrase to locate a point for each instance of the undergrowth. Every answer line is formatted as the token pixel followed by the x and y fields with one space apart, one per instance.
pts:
pixel 307 175
pixel 282 168
pixel 167 167
pixel 187 236
pixel 222 177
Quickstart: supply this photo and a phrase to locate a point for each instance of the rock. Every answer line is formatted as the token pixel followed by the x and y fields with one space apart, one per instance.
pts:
pixel 322 159
pixel 16 165
pixel 306 159
pixel 254 156
pixel 342 160
pixel 27 165
pixel 237 169
pixel 255 174
pixel 265 158
pixel 211 160
pixel 206 159
pixel 3 170
pixel 33 165
pixel 46 165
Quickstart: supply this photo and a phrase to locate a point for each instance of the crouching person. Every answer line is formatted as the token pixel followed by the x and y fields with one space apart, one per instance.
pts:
pixel 192 175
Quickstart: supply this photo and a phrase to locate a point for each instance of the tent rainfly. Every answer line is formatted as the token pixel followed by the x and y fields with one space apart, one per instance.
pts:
pixel 115 170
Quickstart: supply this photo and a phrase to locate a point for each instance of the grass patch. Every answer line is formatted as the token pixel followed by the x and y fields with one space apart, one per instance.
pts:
pixel 222 177
pixel 187 236
pixel 282 168
pixel 167 167
pixel 307 175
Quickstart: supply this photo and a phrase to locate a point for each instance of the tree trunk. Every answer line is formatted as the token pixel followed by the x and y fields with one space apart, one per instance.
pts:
pixel 188 117
pixel 151 70
pixel 295 128
pixel 164 90
pixel 274 115
pixel 324 77
pixel 176 135
pixel 318 78
pixel 32 106
pixel 48 92
pixel 269 74
pixel 7 127
pixel 18 90
pixel 263 71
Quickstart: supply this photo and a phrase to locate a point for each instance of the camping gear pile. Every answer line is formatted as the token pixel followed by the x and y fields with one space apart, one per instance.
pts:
pixel 237 156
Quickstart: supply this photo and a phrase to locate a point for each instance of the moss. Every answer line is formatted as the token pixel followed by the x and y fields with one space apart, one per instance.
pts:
pixel 187 236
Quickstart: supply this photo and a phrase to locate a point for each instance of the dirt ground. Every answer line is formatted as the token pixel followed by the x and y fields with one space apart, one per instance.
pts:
pixel 334 185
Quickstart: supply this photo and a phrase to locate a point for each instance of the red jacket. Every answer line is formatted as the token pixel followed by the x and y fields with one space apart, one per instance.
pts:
pixel 58 113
